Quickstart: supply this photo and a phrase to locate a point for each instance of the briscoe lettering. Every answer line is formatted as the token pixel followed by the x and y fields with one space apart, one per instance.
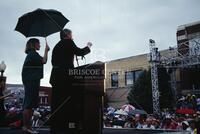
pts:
pixel 84 72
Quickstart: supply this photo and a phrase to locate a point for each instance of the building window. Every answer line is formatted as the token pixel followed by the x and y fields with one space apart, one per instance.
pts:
pixel 114 79
pixel 137 74
pixel 129 78
pixel 41 100
pixel 46 102
pixel 132 76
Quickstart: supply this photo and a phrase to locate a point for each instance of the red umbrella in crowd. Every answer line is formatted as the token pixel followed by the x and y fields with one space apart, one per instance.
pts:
pixel 185 111
pixel 128 108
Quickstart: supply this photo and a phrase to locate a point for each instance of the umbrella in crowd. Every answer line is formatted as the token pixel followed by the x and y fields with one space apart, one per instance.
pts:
pixel 41 22
pixel 137 111
pixel 13 110
pixel 120 112
pixel 110 110
pixel 185 111
pixel 128 108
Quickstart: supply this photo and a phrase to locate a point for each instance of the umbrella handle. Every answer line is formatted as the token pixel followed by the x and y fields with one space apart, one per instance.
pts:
pixel 47 46
pixel 45 40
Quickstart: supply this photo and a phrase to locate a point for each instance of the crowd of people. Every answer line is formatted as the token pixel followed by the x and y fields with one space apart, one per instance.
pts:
pixel 189 101
pixel 167 120
pixel 13 116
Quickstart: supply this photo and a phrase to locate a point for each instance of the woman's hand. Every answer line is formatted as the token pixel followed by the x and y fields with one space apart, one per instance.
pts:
pixel 47 48
pixel 45 57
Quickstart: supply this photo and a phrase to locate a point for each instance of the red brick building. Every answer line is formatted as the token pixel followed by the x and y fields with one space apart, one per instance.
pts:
pixel 188 41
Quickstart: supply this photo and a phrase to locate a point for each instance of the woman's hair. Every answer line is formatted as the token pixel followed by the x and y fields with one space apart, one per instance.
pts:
pixel 64 32
pixel 30 45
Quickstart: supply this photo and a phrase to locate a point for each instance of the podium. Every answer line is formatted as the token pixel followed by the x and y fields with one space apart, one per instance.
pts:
pixel 88 85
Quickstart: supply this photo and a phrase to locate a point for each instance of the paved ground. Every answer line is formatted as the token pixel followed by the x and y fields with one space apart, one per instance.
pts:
pixel 105 131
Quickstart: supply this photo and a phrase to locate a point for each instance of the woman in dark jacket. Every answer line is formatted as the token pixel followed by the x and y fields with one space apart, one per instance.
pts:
pixel 32 72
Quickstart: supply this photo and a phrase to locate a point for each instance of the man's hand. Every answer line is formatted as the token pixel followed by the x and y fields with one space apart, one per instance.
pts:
pixel 89 44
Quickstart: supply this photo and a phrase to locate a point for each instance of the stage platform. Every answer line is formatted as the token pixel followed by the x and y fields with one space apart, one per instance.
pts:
pixel 105 131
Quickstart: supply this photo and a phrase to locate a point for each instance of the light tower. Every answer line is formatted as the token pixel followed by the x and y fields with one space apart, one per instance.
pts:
pixel 154 59
pixel 2 88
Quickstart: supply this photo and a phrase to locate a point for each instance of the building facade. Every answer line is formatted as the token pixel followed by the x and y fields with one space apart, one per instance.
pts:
pixel 188 42
pixel 121 74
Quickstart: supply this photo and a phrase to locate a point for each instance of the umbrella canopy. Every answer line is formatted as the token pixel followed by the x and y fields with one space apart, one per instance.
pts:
pixel 128 108
pixel 137 111
pixel 41 22
pixel 185 111
pixel 120 112
pixel 110 110
pixel 36 113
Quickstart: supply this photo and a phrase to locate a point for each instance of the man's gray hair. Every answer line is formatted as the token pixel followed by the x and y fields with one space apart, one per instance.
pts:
pixel 64 32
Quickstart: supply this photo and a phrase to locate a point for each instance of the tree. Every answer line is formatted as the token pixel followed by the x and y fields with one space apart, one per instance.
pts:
pixel 141 93
pixel 166 96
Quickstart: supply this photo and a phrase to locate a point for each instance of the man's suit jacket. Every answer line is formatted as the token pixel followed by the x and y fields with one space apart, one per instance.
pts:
pixel 63 59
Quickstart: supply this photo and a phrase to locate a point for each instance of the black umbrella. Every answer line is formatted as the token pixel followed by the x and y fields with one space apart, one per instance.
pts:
pixel 41 22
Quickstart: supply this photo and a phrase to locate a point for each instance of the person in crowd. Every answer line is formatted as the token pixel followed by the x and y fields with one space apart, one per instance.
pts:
pixel 32 73
pixel 156 123
pixel 194 101
pixel 198 104
pixel 148 124
pixel 130 123
pixel 166 123
pixel 140 123
pixel 62 81
pixel 189 101
pixel 185 125
pixel 173 124
pixel 191 127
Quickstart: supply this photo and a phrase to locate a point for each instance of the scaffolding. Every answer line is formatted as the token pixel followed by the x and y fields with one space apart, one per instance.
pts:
pixel 154 60
pixel 174 60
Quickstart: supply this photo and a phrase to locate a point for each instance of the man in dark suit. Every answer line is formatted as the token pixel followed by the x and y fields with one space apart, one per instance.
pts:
pixel 61 81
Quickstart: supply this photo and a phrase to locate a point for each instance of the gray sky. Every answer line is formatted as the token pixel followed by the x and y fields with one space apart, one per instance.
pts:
pixel 117 28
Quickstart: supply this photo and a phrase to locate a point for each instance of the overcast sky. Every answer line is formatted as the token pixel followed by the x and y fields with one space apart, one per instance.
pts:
pixel 117 28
